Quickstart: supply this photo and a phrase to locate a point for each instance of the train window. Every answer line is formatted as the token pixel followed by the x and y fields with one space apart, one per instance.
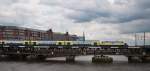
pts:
pixel 95 43
pixel 59 43
pixel 68 43
pixel 26 43
pixel 3 42
pixel 34 43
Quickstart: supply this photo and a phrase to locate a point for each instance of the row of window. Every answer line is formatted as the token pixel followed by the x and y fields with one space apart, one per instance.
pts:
pixel 58 37
pixel 9 34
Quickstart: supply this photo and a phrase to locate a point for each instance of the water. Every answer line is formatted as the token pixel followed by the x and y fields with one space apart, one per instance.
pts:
pixel 81 64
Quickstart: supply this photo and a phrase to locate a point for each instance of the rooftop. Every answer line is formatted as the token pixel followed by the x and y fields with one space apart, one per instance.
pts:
pixel 31 29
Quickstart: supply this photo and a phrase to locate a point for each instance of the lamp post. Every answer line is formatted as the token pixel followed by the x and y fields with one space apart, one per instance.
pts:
pixel 135 39
pixel 144 39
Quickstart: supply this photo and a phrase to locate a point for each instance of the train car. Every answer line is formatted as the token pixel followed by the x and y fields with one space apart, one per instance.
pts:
pixel 63 43
pixel 18 43
pixel 46 43
pixel 113 43
pixel 9 42
pixel 81 43
pixel 108 43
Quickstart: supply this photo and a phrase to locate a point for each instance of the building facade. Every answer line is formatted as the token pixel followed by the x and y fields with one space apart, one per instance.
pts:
pixel 20 33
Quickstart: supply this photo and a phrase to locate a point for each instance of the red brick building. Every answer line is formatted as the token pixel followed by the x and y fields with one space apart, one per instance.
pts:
pixel 20 33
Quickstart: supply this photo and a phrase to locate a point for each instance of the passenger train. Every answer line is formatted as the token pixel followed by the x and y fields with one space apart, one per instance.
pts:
pixel 64 43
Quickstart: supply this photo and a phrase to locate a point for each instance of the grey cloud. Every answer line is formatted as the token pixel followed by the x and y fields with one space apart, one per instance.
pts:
pixel 130 16
pixel 129 20
pixel 7 2
pixel 121 2
pixel 143 4
pixel 137 12
pixel 135 27
pixel 14 13
pixel 87 16
pixel 84 12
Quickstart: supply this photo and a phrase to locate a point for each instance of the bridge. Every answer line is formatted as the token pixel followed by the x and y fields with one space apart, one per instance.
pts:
pixel 19 50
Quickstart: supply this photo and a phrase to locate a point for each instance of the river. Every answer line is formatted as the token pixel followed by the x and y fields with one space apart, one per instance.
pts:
pixel 83 63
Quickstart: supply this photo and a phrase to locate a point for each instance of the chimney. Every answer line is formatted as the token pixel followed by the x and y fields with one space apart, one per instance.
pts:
pixel 67 36
pixel 50 34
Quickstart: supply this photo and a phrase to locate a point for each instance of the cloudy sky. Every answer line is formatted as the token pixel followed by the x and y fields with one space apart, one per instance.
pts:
pixel 97 18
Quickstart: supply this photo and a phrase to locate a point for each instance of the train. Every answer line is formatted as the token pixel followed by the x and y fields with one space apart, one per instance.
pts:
pixel 63 43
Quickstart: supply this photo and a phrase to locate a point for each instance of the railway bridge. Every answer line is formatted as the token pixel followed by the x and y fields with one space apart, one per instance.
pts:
pixel 42 51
